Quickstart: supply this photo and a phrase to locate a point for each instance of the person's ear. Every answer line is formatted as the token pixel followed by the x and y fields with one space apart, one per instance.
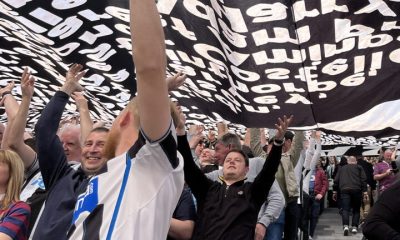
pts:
pixel 125 119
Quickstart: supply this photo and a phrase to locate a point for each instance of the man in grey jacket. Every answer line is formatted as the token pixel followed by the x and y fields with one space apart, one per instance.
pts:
pixel 271 209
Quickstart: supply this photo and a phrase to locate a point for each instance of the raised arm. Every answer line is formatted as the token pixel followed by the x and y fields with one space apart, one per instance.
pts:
pixel 264 180
pixel 52 159
pixel 197 181
pixel 297 146
pixel 17 123
pixel 84 114
pixel 148 45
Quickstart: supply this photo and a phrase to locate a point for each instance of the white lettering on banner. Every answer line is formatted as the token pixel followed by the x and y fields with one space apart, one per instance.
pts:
pixel 120 13
pixel 67 49
pixel 66 28
pixel 277 73
pixel 207 85
pixel 260 109
pixel 266 88
pixel 198 62
pixel 67 4
pixel 234 57
pixel 282 35
pixel 289 87
pixel 234 16
pixel 102 30
pixel 120 76
pixel 92 16
pixel 17 3
pixel 300 11
pixel 359 64
pixel 46 16
pixel 370 41
pixel 125 43
pixel 236 39
pixel 328 6
pixel 100 53
pixel 320 86
pixel 394 56
pixel 335 67
pixel 25 51
pixel 99 66
pixel 344 29
pixel 264 12
pixel 332 49
pixel 353 80
pixel 207 76
pixel 379 5
pixel 180 27
pixel 305 73
pixel 268 99
pixel 123 28
pixel 166 6
pixel 296 98
pixel 279 56
pixel 225 101
pixel 376 63
pixel 194 7
pixel 31 25
pixel 387 26
pixel 245 75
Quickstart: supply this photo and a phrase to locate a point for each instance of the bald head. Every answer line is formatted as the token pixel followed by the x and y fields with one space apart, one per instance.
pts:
pixel 352 160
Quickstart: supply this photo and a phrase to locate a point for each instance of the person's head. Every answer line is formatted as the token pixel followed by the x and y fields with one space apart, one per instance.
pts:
pixel 387 155
pixel 288 141
pixel 352 160
pixel 11 176
pixel 207 157
pixel 332 160
pixel 127 124
pixel 236 165
pixel 70 138
pixel 199 148
pixel 224 144
pixel 92 150
pixel 211 135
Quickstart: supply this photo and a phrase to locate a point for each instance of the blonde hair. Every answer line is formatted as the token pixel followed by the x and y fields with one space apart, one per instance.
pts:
pixel 16 179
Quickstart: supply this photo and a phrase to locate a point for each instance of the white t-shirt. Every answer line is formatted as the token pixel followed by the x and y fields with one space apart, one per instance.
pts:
pixel 135 197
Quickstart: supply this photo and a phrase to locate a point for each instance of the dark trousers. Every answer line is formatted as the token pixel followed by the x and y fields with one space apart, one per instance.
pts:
pixel 310 214
pixel 291 218
pixel 351 199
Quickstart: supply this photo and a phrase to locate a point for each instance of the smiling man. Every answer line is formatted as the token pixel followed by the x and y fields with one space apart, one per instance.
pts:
pixel 229 210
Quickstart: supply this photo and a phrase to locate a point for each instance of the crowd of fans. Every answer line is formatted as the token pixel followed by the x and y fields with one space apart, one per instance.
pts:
pixel 150 176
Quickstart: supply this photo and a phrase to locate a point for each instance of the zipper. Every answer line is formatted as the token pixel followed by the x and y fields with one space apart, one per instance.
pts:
pixel 226 189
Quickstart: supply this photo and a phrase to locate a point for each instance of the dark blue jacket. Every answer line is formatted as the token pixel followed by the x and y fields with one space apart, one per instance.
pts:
pixel 62 182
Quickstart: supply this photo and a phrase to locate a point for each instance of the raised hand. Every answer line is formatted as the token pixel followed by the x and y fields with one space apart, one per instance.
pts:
pixel 176 81
pixel 6 90
pixel 80 100
pixel 27 84
pixel 282 126
pixel 72 78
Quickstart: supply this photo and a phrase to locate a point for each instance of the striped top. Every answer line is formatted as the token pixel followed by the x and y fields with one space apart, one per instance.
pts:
pixel 14 221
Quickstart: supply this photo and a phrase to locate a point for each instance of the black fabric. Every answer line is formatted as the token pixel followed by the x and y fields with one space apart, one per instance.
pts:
pixel 382 221
pixel 250 62
pixel 185 209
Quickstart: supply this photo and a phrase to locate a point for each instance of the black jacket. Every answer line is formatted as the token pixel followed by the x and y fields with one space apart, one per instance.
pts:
pixel 228 212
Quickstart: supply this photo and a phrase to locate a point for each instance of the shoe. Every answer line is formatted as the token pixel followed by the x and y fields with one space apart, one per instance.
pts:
pixel 354 230
pixel 310 238
pixel 346 231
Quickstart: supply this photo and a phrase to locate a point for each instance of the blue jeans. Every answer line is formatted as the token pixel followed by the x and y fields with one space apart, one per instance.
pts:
pixel 275 229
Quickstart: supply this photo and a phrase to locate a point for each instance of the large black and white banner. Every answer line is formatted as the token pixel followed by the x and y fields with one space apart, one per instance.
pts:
pixel 331 63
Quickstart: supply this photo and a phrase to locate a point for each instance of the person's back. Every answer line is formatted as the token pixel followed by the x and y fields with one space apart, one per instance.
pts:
pixel 349 177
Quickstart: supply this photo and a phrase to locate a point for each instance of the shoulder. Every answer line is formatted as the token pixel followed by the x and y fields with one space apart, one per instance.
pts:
pixel 20 206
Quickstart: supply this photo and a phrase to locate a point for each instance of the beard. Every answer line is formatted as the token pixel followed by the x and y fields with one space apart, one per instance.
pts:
pixel 111 144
